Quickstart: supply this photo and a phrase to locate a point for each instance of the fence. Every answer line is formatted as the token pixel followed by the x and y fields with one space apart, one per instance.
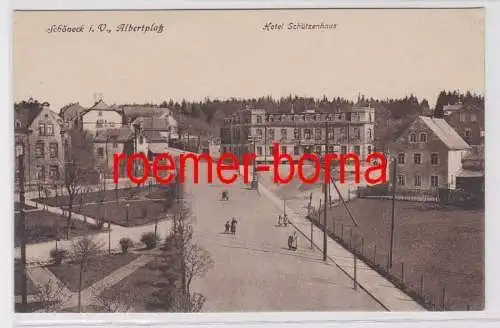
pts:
pixel 405 194
pixel 410 280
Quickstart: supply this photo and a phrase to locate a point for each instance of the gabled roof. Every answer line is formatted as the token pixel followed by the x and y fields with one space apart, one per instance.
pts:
pixel 445 133
pixel 119 135
pixel 102 106
pixel 71 111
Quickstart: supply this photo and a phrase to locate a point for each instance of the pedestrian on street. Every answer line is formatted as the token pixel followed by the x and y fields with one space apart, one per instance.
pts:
pixel 233 225
pixel 228 226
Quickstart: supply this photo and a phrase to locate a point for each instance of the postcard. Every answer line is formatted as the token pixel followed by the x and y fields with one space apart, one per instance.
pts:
pixel 249 160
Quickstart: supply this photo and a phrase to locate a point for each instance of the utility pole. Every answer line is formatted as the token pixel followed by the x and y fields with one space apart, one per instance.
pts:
pixel 22 215
pixel 326 187
pixel 393 208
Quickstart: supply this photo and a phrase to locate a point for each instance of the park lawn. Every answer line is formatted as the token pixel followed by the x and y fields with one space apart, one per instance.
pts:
pixel 157 191
pixel 140 212
pixel 445 245
pixel 96 269
pixel 32 289
pixel 144 289
pixel 41 226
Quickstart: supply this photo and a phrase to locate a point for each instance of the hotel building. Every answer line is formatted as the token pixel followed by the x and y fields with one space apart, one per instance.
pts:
pixel 255 131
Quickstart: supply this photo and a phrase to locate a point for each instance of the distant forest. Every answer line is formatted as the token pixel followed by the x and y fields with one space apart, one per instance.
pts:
pixel 392 116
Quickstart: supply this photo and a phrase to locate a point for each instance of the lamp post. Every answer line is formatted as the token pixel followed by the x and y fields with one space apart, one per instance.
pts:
pixel 127 207
pixel 394 166
pixel 22 216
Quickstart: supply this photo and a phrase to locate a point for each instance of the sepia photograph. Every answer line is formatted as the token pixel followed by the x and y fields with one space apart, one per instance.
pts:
pixel 276 160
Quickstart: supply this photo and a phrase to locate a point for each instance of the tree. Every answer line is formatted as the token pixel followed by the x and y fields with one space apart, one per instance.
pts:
pixel 113 302
pixel 84 249
pixel 79 167
pixel 188 260
pixel 51 296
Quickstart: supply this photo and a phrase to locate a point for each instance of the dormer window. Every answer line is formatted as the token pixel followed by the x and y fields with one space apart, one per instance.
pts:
pixel 423 137
pixel 413 138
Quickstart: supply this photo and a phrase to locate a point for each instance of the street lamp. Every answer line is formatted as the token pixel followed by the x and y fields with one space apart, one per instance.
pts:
pixel 127 207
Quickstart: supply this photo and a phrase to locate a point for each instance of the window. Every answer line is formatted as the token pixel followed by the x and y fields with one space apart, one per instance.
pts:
pixel 259 132
pixel 423 137
pixel 100 113
pixel 53 149
pixel 259 119
pixel 318 150
pixel 100 152
pixel 331 149
pixel 401 158
pixel 50 129
pixel 259 151
pixel 463 117
pixel 40 172
pixel 417 181
pixel 343 149
pixel 413 138
pixel 115 145
pixel 271 134
pixel 401 180
pixel 434 159
pixel 357 150
pixel 283 150
pixel 468 133
pixel 331 133
pixel 296 150
pixel 39 149
pixel 41 128
pixel 434 181
pixel 307 133
pixel 473 118
pixel 283 133
pixel 99 124
pixel 369 149
pixel 417 158
pixel 318 133
pixel 141 140
pixel 271 150
pixel 54 172
pixel 370 136
pixel 356 133
pixel 271 118
pixel 296 134
pixel 18 124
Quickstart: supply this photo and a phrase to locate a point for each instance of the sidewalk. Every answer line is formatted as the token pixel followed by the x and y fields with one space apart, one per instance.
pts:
pixel 380 288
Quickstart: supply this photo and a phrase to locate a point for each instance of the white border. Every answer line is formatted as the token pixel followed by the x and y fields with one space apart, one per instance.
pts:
pixel 487 318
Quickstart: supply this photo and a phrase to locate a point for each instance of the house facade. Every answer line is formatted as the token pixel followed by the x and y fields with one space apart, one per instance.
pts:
pixel 100 117
pixel 41 133
pixel 109 142
pixel 349 130
pixel 467 120
pixel 428 155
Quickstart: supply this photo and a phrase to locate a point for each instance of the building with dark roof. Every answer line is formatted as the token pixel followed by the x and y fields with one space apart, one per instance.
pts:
pixel 39 131
pixel 467 120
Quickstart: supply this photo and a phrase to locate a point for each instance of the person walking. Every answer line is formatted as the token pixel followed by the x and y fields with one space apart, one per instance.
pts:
pixel 228 226
pixel 233 225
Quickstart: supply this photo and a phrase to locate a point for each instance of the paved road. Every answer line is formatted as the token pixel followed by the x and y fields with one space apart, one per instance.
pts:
pixel 254 271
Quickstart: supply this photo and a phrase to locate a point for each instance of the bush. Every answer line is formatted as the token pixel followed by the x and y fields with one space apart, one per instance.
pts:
pixel 125 244
pixel 149 239
pixel 58 255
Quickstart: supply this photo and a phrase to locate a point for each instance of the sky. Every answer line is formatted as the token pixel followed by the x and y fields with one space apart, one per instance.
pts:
pixel 221 54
